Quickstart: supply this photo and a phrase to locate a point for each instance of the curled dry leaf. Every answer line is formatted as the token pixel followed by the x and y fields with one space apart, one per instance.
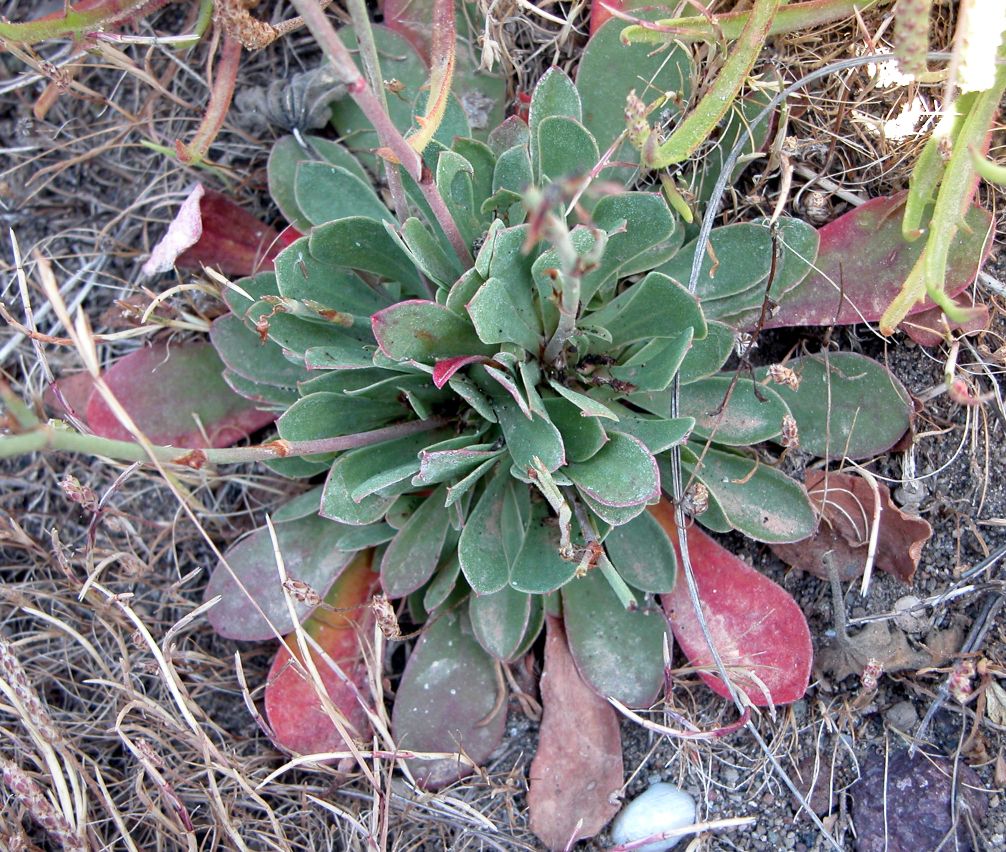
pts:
pixel 846 506
pixel 578 767
pixel 183 233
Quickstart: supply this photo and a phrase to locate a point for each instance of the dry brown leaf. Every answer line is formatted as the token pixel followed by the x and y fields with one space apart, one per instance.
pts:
pixel 577 771
pixel 846 505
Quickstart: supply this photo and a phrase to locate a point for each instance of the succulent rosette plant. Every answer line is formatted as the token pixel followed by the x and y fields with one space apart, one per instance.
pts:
pixel 494 428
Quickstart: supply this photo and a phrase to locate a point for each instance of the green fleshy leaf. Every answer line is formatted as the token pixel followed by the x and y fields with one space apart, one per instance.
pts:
pixel 454 176
pixel 253 288
pixel 635 222
pixel 414 552
pixel 296 467
pixel 527 439
pixel 267 397
pixel 655 307
pixel 500 620
pixel 543 268
pixel 539 568
pixel 326 415
pixel 760 501
pixel 622 473
pixel 466 389
pixel 442 584
pixel 286 156
pixel 507 383
pixel 462 290
pixel 565 149
pixel 609 70
pixel 362 538
pixel 582 436
pixel 444 465
pixel 505 314
pixel 613 516
pixel 739 261
pixel 424 331
pixel 653 365
pixel 618 653
pixel 481 546
pixel 325 192
pixel 744 420
pixel 555 95
pixel 303 277
pixel 301 506
pixel 511 133
pixel 460 488
pixel 512 174
pixel 708 355
pixel 643 555
pixel 658 434
pixel 855 408
pixel 535 622
pixel 438 265
pixel 588 406
pixel 360 243
pixel 483 162
pixel 245 353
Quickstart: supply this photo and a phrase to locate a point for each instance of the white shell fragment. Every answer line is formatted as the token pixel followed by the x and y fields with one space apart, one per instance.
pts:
pixel 663 807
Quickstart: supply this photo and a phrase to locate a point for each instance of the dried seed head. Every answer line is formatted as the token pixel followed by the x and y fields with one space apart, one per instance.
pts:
pixel 816 207
pixel 33 799
pixel 782 375
pixel 386 618
pixel 696 499
pixel 16 678
pixel 790 433
pixel 302 592
pixel 635 120
pixel 960 684
pixel 148 753
pixel 871 674
pixel 79 493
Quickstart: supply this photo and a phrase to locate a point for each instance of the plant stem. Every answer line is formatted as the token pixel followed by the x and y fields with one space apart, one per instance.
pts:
pixel 49 437
pixel 324 33
pixel 372 66
pixel 225 75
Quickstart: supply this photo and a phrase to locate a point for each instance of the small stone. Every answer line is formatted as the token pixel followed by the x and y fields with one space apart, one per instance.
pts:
pixel 906 619
pixel 902 716
pixel 731 776
pixel 662 807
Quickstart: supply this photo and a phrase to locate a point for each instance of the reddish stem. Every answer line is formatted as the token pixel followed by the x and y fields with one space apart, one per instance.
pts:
pixel 225 75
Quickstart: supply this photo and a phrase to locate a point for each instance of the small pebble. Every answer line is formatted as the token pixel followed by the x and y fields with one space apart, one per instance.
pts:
pixel 910 622
pixel 902 716
pixel 662 807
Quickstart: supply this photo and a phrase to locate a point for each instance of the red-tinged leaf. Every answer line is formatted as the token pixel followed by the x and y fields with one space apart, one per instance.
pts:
pixel 757 627
pixel 863 261
pixel 413 20
pixel 448 700
pixel 175 393
pixel 601 10
pixel 443 370
pixel 75 390
pixel 578 767
pixel 232 239
pixel 292 704
pixel 846 505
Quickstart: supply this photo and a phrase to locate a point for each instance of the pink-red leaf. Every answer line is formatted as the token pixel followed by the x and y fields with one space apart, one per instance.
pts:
pixel 232 239
pixel 292 704
pixel 443 370
pixel 578 766
pixel 863 261
pixel 175 394
pixel 846 505
pixel 758 629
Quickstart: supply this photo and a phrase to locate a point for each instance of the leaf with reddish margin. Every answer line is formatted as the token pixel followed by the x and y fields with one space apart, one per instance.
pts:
pixel 930 327
pixel 577 769
pixel 448 700
pixel 846 505
pixel 443 370
pixel 755 624
pixel 292 704
pixel 170 391
pixel 863 261
pixel 232 239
